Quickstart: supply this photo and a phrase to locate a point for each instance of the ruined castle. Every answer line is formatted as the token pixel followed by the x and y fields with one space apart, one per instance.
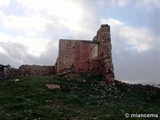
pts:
pixel 87 56
pixel 91 56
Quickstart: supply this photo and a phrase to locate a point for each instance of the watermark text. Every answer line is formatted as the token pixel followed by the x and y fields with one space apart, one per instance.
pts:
pixel 138 115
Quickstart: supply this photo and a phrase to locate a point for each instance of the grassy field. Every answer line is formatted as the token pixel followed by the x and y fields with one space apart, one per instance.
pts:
pixel 80 98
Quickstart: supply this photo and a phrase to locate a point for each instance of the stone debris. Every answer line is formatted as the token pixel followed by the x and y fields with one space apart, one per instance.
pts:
pixel 16 80
pixel 139 87
pixel 48 101
pixel 53 86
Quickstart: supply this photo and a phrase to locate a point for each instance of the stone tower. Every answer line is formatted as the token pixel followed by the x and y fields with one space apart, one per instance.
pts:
pixel 103 37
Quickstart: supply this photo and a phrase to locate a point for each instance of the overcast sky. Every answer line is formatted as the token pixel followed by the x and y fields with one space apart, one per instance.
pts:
pixel 30 31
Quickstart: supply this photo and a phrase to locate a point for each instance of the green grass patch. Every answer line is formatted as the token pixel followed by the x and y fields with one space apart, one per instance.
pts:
pixel 80 98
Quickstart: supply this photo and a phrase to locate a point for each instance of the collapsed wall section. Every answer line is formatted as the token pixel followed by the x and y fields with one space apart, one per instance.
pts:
pixel 30 70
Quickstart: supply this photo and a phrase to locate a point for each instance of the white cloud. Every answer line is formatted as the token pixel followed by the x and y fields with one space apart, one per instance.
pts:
pixel 29 24
pixel 4 3
pixel 149 4
pixel 66 9
pixel 68 12
pixel 113 3
pixel 59 14
pixel 122 2
pixel 138 39
pixel 111 22
pixel 2 50
pixel 64 14
pixel 35 46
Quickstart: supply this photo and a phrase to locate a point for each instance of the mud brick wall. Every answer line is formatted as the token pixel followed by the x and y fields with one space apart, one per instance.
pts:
pixel 30 70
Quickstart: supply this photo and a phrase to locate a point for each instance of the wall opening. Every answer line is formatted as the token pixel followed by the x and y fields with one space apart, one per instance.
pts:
pixel 94 52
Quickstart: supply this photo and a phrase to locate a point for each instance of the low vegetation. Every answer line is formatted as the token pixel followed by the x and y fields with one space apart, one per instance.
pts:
pixel 80 97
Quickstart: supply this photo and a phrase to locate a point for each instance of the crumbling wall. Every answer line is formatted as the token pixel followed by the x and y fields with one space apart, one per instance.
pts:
pixel 30 70
pixel 77 56
pixel 105 54
pixel 87 56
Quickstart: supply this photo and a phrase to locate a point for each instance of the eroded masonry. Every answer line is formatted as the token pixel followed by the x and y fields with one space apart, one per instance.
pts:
pixel 92 56
pixel 87 56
